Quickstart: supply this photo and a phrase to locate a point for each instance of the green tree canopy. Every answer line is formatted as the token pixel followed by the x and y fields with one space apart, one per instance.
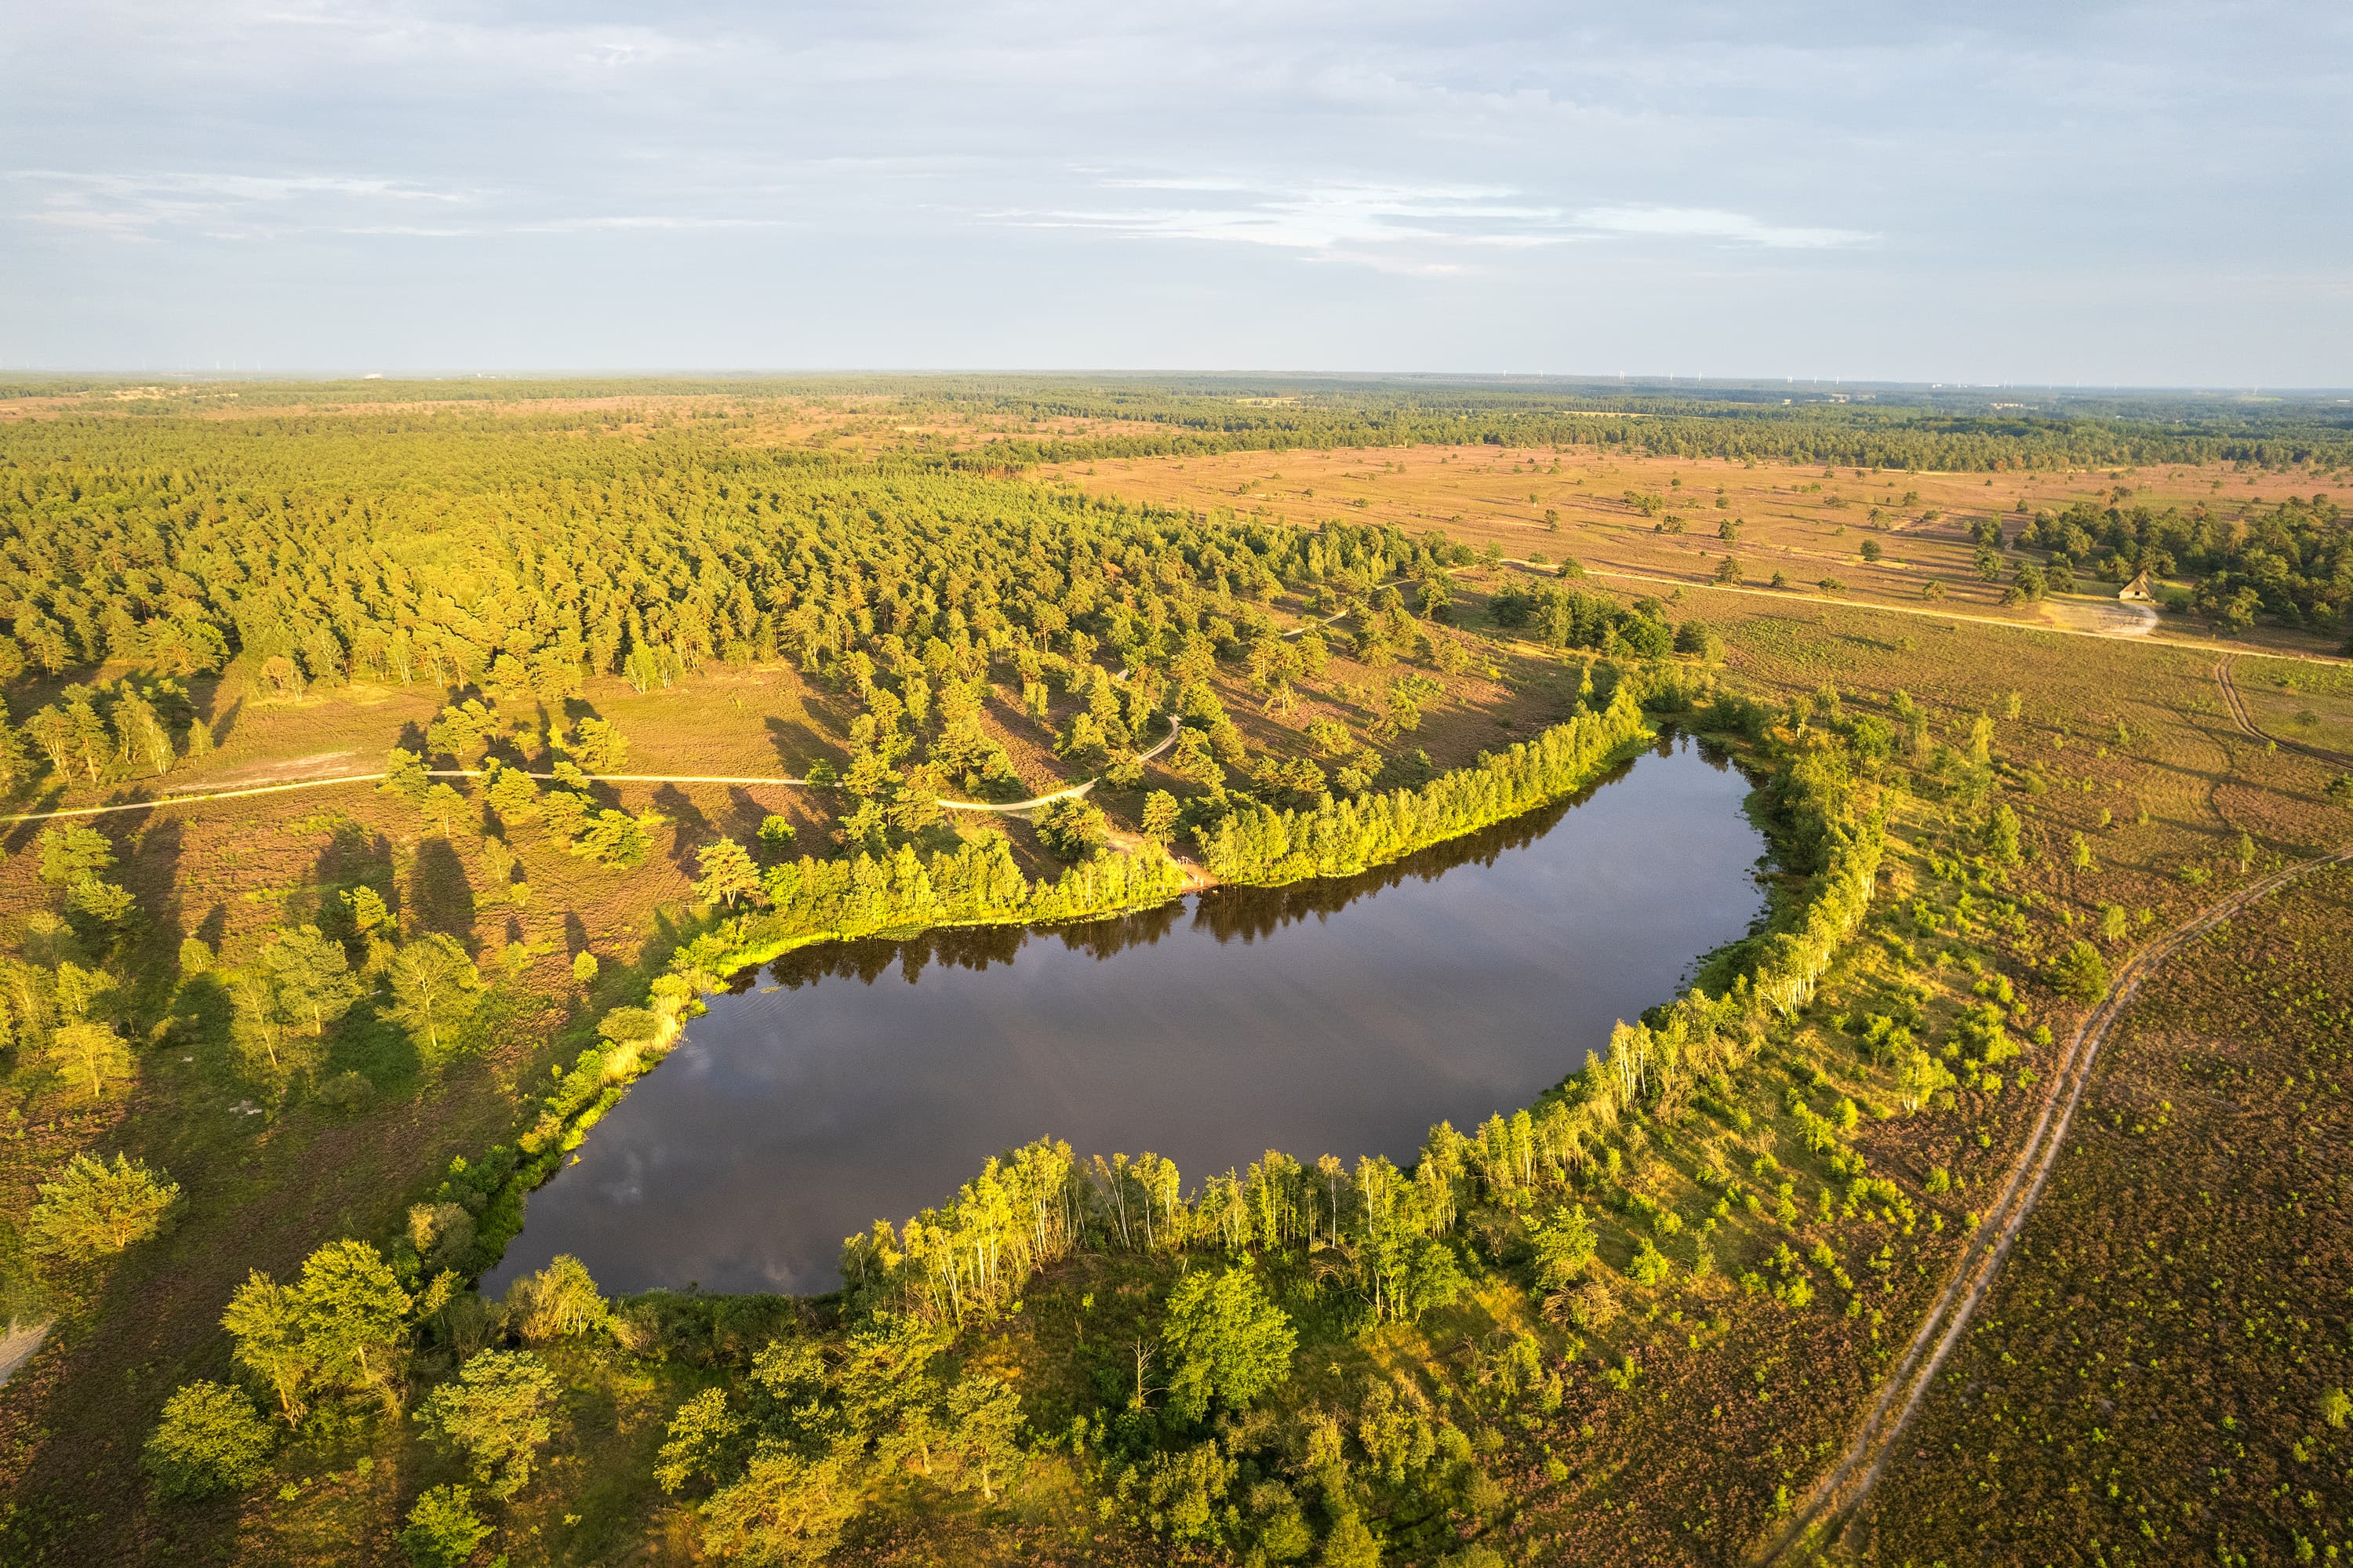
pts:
pixel 210 1440
pixel 70 854
pixel 728 873
pixel 496 1415
pixel 434 988
pixel 443 1527
pixel 1564 1245
pixel 92 1209
pixel 311 978
pixel 342 1325
pixel 1225 1342
pixel 91 1054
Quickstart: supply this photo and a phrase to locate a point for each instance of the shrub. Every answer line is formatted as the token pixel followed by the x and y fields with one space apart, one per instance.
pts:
pixel 443 1527
pixel 210 1440
pixel 559 1300
pixel 94 1210
pixel 1592 1306
pixel 1697 637
pixel 2080 972
pixel 1073 829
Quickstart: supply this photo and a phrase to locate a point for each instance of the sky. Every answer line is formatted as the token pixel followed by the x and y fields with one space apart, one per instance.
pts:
pixel 2143 194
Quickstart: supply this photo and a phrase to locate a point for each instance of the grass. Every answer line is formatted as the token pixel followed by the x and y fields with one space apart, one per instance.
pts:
pixel 2145 1382
pixel 1807 523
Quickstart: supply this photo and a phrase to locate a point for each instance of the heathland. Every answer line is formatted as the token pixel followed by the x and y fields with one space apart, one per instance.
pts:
pixel 597 693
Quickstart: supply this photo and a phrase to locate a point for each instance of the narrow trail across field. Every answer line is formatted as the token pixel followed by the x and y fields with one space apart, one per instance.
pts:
pixel 2237 705
pixel 1009 808
pixel 1842 1488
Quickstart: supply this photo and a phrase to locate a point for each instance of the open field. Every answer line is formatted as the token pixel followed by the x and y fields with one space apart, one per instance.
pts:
pixel 1668 516
pixel 2148 1382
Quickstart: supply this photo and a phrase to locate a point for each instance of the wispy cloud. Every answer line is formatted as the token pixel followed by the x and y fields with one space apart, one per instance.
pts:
pixel 257 206
pixel 135 207
pixel 1319 217
pixel 1712 223
pixel 1370 219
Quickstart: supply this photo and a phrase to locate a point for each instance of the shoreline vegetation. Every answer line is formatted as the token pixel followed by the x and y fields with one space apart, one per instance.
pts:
pixel 1392 1238
pixel 812 901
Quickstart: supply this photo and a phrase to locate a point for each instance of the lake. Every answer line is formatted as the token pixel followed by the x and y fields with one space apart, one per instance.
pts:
pixel 865 1080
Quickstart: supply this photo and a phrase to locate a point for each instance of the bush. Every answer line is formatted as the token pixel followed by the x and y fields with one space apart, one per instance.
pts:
pixel 2080 973
pixel 210 1440
pixel 1072 829
pixel 1226 1341
pixel 629 1025
pixel 94 1210
pixel 560 1300
pixel 443 1527
pixel 496 1415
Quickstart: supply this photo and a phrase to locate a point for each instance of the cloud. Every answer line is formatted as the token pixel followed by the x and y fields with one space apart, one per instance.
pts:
pixel 133 207
pixel 259 206
pixel 1345 216
pixel 1318 218
pixel 1710 223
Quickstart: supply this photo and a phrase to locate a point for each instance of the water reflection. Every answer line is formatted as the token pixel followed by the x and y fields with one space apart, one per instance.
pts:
pixel 869 1078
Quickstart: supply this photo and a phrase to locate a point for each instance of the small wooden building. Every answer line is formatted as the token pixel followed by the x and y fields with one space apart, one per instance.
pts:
pixel 2138 591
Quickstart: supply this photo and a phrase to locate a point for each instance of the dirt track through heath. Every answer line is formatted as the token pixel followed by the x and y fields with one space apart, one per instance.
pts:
pixel 2237 705
pixel 1008 808
pixel 1841 1490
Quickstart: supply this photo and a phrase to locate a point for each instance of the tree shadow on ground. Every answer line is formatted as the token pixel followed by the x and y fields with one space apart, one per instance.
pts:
pixel 441 897
pixel 695 829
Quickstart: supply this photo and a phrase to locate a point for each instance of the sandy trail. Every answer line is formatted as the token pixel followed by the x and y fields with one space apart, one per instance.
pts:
pixel 1010 807
pixel 1842 1488
pixel 16 1347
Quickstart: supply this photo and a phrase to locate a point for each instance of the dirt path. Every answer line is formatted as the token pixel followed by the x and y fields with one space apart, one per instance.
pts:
pixel 2237 705
pixel 1008 808
pixel 17 1346
pixel 1842 1488
pixel 1013 808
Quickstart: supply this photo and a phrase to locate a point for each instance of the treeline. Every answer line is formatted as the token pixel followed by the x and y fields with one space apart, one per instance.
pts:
pixel 1256 843
pixel 1038 1203
pixel 1372 1242
pixel 2293 562
pixel 1896 433
pixel 1565 618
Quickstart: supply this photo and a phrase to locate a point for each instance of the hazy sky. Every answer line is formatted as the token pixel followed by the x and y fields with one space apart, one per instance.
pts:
pixel 2052 192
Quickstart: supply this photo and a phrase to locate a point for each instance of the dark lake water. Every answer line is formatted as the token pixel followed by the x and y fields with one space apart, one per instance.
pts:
pixel 867 1080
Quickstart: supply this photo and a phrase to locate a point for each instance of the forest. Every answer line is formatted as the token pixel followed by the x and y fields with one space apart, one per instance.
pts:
pixel 1626 1321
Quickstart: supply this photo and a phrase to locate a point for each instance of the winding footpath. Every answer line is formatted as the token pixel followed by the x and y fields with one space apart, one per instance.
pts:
pixel 1843 1488
pixel 1008 808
